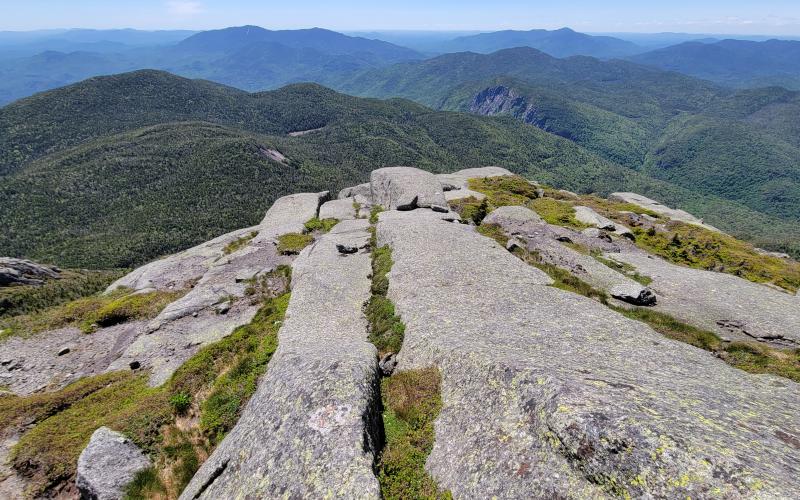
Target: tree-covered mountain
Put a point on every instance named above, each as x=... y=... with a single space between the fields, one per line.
x=742 y=146
x=117 y=170
x=739 y=63
x=248 y=57
x=563 y=42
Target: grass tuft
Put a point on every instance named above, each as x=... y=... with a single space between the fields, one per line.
x=293 y=243
x=412 y=402
x=321 y=225
x=470 y=209
x=239 y=243
x=386 y=328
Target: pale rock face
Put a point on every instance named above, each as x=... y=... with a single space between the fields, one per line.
x=107 y=464
x=25 y=272
x=342 y=209
x=359 y=190
x=653 y=205
x=406 y=188
x=312 y=428
x=588 y=216
x=512 y=216
x=546 y=391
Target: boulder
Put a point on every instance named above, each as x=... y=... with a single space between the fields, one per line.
x=588 y=216
x=406 y=188
x=311 y=430
x=459 y=180
x=512 y=216
x=107 y=464
x=341 y=209
x=549 y=393
x=635 y=294
x=359 y=190
x=654 y=206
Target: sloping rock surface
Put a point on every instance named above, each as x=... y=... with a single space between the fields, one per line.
x=588 y=216
x=107 y=464
x=342 y=209
x=549 y=394
x=25 y=272
x=728 y=305
x=653 y=205
x=310 y=429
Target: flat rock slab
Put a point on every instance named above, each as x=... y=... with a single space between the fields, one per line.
x=406 y=188
x=107 y=464
x=653 y=205
x=588 y=216
x=551 y=394
x=309 y=431
x=512 y=217
x=728 y=305
x=34 y=363
x=364 y=190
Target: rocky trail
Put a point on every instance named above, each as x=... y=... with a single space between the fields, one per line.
x=548 y=388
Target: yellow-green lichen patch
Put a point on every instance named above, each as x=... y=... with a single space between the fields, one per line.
x=556 y=212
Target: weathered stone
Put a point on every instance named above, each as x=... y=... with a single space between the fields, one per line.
x=63 y=351
x=654 y=206
x=387 y=364
x=359 y=190
x=588 y=216
x=311 y=429
x=549 y=392
x=703 y=298
x=25 y=272
x=511 y=217
x=406 y=188
x=459 y=180
x=633 y=293
x=342 y=209
x=107 y=464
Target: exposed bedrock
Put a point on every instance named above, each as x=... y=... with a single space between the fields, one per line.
x=25 y=272
x=728 y=305
x=550 y=394
x=406 y=188
x=653 y=205
x=312 y=428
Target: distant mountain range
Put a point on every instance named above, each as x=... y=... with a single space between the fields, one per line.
x=739 y=63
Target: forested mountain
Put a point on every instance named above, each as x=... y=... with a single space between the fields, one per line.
x=117 y=170
x=563 y=42
x=742 y=146
x=738 y=63
x=248 y=57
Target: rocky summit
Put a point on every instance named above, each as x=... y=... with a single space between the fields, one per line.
x=464 y=335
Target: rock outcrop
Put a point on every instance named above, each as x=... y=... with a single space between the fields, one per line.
x=406 y=188
x=654 y=206
x=312 y=428
x=549 y=392
x=107 y=464
x=591 y=218
x=25 y=272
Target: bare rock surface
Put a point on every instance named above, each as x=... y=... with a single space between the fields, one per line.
x=25 y=272
x=178 y=271
x=364 y=190
x=107 y=464
x=34 y=363
x=551 y=394
x=309 y=431
x=342 y=209
x=460 y=194
x=406 y=188
x=653 y=205
x=588 y=216
x=728 y=305
x=512 y=217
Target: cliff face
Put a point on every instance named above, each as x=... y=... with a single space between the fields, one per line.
x=580 y=351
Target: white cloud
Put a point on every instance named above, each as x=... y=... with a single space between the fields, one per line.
x=184 y=7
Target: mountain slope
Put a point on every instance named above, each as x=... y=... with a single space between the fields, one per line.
x=563 y=42
x=733 y=62
x=130 y=177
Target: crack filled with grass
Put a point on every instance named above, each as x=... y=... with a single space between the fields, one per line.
x=410 y=400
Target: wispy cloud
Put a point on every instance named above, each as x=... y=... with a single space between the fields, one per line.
x=184 y=7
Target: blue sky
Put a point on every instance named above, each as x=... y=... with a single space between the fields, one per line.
x=771 y=17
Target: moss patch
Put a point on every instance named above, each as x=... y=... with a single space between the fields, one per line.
x=504 y=190
x=239 y=243
x=102 y=310
x=700 y=248
x=217 y=381
x=73 y=284
x=412 y=402
x=470 y=209
x=495 y=232
x=373 y=213
x=386 y=328
x=321 y=225
x=556 y=212
x=293 y=243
